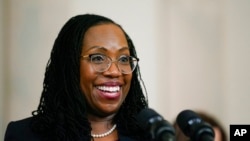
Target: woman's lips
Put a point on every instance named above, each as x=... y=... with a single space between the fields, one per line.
x=110 y=89
x=109 y=92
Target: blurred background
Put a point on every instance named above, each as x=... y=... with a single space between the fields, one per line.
x=194 y=54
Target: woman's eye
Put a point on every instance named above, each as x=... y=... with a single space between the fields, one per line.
x=124 y=59
x=97 y=58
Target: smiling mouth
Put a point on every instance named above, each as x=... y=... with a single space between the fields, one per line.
x=110 y=89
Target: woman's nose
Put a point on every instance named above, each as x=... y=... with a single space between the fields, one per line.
x=113 y=69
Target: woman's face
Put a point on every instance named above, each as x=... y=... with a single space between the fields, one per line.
x=104 y=91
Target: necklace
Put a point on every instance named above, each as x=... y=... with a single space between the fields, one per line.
x=104 y=134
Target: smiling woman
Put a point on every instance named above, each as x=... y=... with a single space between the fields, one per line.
x=92 y=87
x=98 y=84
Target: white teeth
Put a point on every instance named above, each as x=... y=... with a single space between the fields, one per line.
x=109 y=88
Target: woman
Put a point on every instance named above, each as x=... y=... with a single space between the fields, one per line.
x=92 y=88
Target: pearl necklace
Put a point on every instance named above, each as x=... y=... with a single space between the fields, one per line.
x=104 y=134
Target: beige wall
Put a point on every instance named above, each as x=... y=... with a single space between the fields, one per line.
x=193 y=54
x=205 y=46
x=1 y=71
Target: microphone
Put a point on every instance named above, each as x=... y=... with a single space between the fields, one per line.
x=194 y=127
x=158 y=128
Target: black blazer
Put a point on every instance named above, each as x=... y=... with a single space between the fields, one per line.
x=21 y=131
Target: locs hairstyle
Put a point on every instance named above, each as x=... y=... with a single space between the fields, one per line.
x=61 y=113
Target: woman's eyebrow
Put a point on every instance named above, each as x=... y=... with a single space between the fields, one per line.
x=97 y=47
x=124 y=48
x=105 y=49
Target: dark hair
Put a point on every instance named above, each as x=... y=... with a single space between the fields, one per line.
x=61 y=114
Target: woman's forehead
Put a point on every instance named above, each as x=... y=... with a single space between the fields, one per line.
x=108 y=36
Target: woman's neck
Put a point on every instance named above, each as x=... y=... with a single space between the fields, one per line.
x=101 y=125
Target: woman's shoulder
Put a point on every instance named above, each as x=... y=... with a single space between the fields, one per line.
x=21 y=122
x=20 y=125
x=20 y=130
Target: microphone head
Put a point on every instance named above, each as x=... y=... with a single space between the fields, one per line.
x=150 y=121
x=145 y=116
x=185 y=119
x=193 y=126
